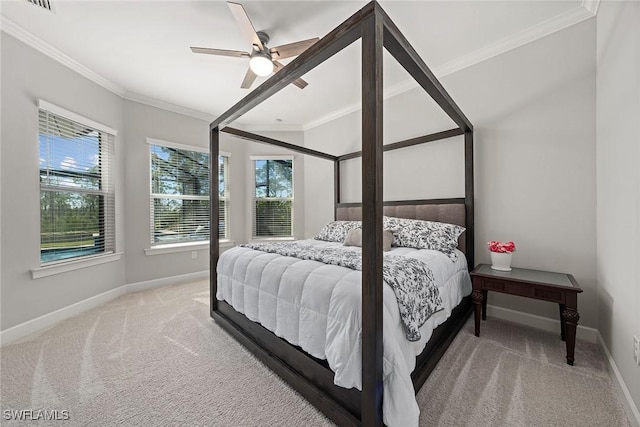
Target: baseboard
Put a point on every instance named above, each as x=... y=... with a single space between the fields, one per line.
x=156 y=283
x=23 y=329
x=552 y=325
x=625 y=396
x=30 y=326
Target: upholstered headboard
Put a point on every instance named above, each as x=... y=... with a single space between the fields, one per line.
x=450 y=213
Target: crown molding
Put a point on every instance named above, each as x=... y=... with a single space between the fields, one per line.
x=586 y=10
x=336 y=114
x=167 y=106
x=163 y=105
x=591 y=6
x=271 y=128
x=390 y=92
x=531 y=34
x=40 y=45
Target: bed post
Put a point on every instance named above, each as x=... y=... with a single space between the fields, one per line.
x=372 y=197
x=336 y=187
x=214 y=208
x=468 y=197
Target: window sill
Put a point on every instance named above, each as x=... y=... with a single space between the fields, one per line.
x=184 y=247
x=64 y=267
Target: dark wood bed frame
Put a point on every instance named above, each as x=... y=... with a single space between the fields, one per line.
x=311 y=377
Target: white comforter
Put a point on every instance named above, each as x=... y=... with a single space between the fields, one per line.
x=318 y=307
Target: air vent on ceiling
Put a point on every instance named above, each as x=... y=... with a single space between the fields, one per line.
x=45 y=4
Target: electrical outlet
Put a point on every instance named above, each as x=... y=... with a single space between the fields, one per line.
x=194 y=254
x=636 y=349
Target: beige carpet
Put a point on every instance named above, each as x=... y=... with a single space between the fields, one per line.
x=517 y=376
x=155 y=358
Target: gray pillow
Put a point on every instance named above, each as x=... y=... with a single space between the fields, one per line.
x=354 y=238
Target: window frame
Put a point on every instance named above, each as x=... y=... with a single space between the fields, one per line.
x=188 y=245
x=253 y=198
x=107 y=191
x=226 y=198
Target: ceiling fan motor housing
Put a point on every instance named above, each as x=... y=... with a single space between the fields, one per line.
x=264 y=38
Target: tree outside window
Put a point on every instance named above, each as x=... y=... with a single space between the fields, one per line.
x=180 y=195
x=76 y=189
x=273 y=198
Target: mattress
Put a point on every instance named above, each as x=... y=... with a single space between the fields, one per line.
x=318 y=308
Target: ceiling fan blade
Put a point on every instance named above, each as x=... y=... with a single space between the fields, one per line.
x=220 y=52
x=249 y=78
x=245 y=24
x=298 y=82
x=292 y=49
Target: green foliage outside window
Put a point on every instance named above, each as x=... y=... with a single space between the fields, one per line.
x=76 y=191
x=273 y=198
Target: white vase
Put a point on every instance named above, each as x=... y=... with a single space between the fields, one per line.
x=501 y=261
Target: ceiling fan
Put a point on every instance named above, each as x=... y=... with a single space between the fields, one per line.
x=262 y=60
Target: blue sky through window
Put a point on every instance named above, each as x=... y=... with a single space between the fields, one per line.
x=70 y=162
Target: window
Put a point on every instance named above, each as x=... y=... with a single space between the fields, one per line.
x=77 y=197
x=272 y=197
x=180 y=193
x=223 y=196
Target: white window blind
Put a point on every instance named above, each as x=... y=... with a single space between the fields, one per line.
x=77 y=197
x=272 y=205
x=180 y=194
x=223 y=197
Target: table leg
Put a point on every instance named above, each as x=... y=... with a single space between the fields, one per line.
x=570 y=317
x=477 y=304
x=562 y=323
x=484 y=305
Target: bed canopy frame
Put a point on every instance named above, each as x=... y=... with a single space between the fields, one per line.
x=309 y=376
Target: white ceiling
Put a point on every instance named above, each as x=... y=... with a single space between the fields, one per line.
x=140 y=49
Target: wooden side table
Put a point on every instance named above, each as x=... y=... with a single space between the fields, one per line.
x=560 y=288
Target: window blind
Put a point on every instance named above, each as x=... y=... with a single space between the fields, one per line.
x=180 y=195
x=223 y=198
x=272 y=205
x=77 y=196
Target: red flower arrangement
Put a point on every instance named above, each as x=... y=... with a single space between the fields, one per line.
x=495 y=246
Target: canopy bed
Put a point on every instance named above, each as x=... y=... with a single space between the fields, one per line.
x=312 y=376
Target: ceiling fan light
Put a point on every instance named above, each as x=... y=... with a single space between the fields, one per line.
x=261 y=64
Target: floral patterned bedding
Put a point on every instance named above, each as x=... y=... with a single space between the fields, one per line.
x=411 y=279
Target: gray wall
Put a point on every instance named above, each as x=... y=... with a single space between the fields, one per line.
x=618 y=184
x=141 y=122
x=533 y=109
x=27 y=75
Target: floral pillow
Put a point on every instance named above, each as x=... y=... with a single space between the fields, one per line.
x=415 y=233
x=336 y=231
